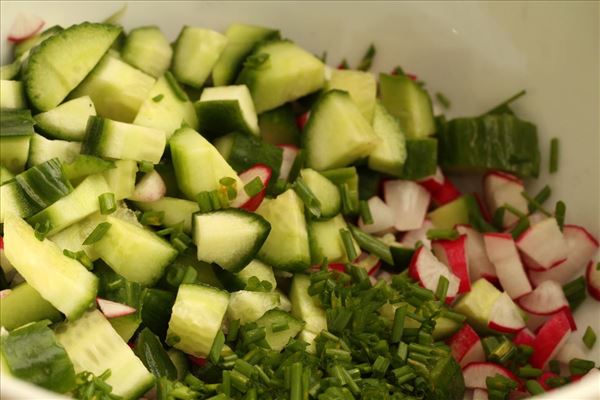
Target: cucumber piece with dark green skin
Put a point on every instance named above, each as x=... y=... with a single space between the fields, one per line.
x=186 y=268
x=361 y=85
x=152 y=353
x=247 y=306
x=499 y=142
x=421 y=158
x=446 y=380
x=238 y=281
x=22 y=305
x=326 y=241
x=84 y=165
x=156 y=310
x=324 y=190
x=67 y=121
x=278 y=126
x=280 y=327
x=389 y=155
x=16 y=123
x=42 y=149
x=12 y=95
x=147 y=49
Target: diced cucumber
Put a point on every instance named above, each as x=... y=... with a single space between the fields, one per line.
x=389 y=154
x=408 y=101
x=175 y=211
x=84 y=165
x=185 y=262
x=286 y=246
x=147 y=49
x=238 y=281
x=42 y=149
x=247 y=306
x=241 y=39
x=196 y=53
x=24 y=305
x=278 y=126
x=226 y=109
x=72 y=237
x=345 y=177
x=73 y=287
x=305 y=308
x=337 y=134
x=279 y=338
x=362 y=87
x=5 y=175
x=12 y=94
x=116 y=88
x=477 y=304
x=10 y=71
x=197 y=316
x=14 y=151
x=74 y=207
x=62 y=61
x=15 y=123
x=121 y=178
x=156 y=310
x=325 y=191
x=451 y=214
x=112 y=139
x=198 y=164
x=421 y=158
x=230 y=238
x=15 y=201
x=326 y=241
x=165 y=109
x=446 y=380
x=93 y=345
x=67 y=121
x=137 y=254
x=278 y=71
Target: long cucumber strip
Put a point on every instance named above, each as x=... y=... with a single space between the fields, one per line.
x=24 y=305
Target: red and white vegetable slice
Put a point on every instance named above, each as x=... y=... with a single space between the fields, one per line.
x=302 y=119
x=550 y=339
x=434 y=182
x=503 y=254
x=480 y=394
x=24 y=27
x=441 y=188
x=548 y=298
x=408 y=201
x=543 y=245
x=525 y=336
x=480 y=265
x=242 y=200
x=112 y=309
x=592 y=275
x=453 y=254
x=289 y=156
x=411 y=238
x=427 y=269
x=150 y=188
x=505 y=316
x=465 y=346
x=383 y=217
x=544 y=377
x=501 y=188
x=476 y=373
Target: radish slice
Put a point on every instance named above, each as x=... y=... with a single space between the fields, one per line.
x=503 y=254
x=480 y=265
x=112 y=309
x=536 y=217
x=466 y=346
x=593 y=280
x=550 y=339
x=480 y=394
x=302 y=119
x=242 y=200
x=548 y=298
x=24 y=27
x=543 y=245
x=453 y=254
x=476 y=373
x=434 y=182
x=289 y=156
x=426 y=269
x=501 y=188
x=150 y=188
x=199 y=361
x=383 y=217
x=441 y=189
x=408 y=201
x=505 y=316
x=525 y=336
x=370 y=262
x=411 y=238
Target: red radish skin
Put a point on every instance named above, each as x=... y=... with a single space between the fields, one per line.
x=542 y=380
x=408 y=201
x=453 y=254
x=24 y=27
x=199 y=361
x=476 y=373
x=550 y=339
x=442 y=190
x=383 y=217
x=543 y=245
x=480 y=265
x=242 y=199
x=371 y=263
x=505 y=316
x=548 y=298
x=289 y=156
x=301 y=120
x=593 y=280
x=502 y=252
x=501 y=188
x=525 y=337
x=426 y=269
x=434 y=182
x=465 y=346
x=411 y=238
x=112 y=309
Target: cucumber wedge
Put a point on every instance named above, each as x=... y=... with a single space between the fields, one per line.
x=306 y=308
x=362 y=87
x=389 y=155
x=12 y=94
x=147 y=49
x=325 y=191
x=62 y=61
x=14 y=151
x=175 y=211
x=326 y=240
x=42 y=149
x=286 y=327
x=121 y=178
x=67 y=121
x=278 y=126
x=73 y=287
x=24 y=305
x=84 y=165
x=247 y=306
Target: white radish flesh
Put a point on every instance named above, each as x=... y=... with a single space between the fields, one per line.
x=543 y=245
x=408 y=201
x=383 y=217
x=503 y=254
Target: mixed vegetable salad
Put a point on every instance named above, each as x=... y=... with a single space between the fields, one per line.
x=226 y=216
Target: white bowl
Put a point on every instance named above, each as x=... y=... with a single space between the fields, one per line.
x=475 y=53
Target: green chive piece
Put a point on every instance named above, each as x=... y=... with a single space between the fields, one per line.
x=443 y=100
x=554 y=155
x=348 y=203
x=226 y=384
x=575 y=292
x=108 y=204
x=503 y=107
x=97 y=233
x=204 y=202
x=543 y=195
x=253 y=187
x=578 y=366
x=559 y=213
x=442 y=288
x=81 y=257
x=177 y=90
x=534 y=387
x=442 y=234
x=153 y=218
x=589 y=337
x=367 y=59
x=554 y=366
x=312 y=204
x=158 y=98
x=365 y=212
x=402 y=351
x=145 y=166
x=217 y=346
x=535 y=205
x=215 y=201
x=454 y=316
x=297 y=165
x=380 y=365
x=521 y=227
x=398 y=327
x=279 y=326
x=41 y=230
x=348 y=244
x=372 y=244
x=231 y=192
x=529 y=372
x=513 y=210
x=227 y=181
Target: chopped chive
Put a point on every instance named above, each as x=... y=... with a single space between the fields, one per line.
x=215 y=201
x=245 y=368
x=153 y=218
x=402 y=351
x=372 y=244
x=223 y=198
x=158 y=97
x=97 y=233
x=226 y=384
x=398 y=327
x=231 y=192
x=575 y=292
x=227 y=181
x=578 y=366
x=554 y=366
x=556 y=381
x=534 y=387
x=348 y=244
x=559 y=213
x=177 y=90
x=279 y=326
x=365 y=212
x=380 y=365
x=442 y=288
x=239 y=380
x=454 y=316
x=442 y=234
x=145 y=166
x=529 y=372
x=443 y=100
x=217 y=346
x=312 y=204
x=41 y=230
x=503 y=107
x=108 y=204
x=535 y=205
x=81 y=257
x=521 y=227
x=514 y=211
x=554 y=155
x=253 y=187
x=589 y=337
x=541 y=197
x=297 y=165
x=204 y=202
x=367 y=59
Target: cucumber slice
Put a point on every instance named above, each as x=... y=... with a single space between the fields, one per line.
x=12 y=94
x=175 y=211
x=247 y=306
x=451 y=214
x=116 y=88
x=15 y=201
x=326 y=241
x=238 y=281
x=241 y=39
x=231 y=238
x=304 y=307
x=421 y=158
x=42 y=150
x=67 y=121
x=275 y=318
x=390 y=153
x=198 y=165
x=163 y=109
x=286 y=247
x=73 y=287
x=278 y=71
x=112 y=139
x=93 y=345
x=477 y=304
x=10 y=71
x=279 y=126
x=226 y=109
x=147 y=49
x=325 y=191
x=121 y=179
x=23 y=305
x=196 y=53
x=408 y=101
x=5 y=175
x=14 y=151
x=197 y=316
x=84 y=165
x=337 y=134
x=62 y=61
x=362 y=87
x=137 y=254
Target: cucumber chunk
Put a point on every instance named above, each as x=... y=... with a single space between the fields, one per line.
x=175 y=211
x=84 y=165
x=306 y=308
x=337 y=134
x=5 y=175
x=147 y=49
x=325 y=191
x=278 y=126
x=12 y=95
x=326 y=240
x=247 y=306
x=477 y=304
x=197 y=316
x=121 y=178
x=67 y=121
x=421 y=158
x=73 y=287
x=451 y=214
x=42 y=150
x=62 y=61
x=230 y=238
x=16 y=128
x=279 y=339
x=286 y=246
x=278 y=71
x=24 y=305
x=93 y=345
x=362 y=87
x=390 y=153
x=238 y=281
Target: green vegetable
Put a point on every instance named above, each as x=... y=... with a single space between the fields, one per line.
x=503 y=108
x=97 y=234
x=367 y=59
x=553 y=155
x=149 y=349
x=589 y=337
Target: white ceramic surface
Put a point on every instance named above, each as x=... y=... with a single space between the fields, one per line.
x=474 y=52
